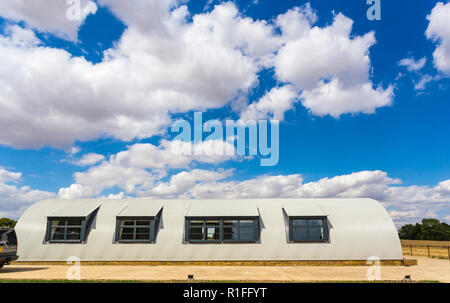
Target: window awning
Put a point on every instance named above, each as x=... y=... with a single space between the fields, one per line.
x=140 y=209
x=299 y=209
x=75 y=208
x=222 y=208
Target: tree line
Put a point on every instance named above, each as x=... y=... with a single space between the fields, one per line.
x=6 y=222
x=428 y=229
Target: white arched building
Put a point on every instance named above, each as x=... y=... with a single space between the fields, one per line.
x=207 y=230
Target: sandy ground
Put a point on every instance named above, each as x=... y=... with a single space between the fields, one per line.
x=427 y=269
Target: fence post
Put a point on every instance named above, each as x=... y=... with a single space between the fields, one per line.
x=428 y=250
x=448 y=249
x=410 y=248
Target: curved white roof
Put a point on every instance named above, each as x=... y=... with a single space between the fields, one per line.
x=358 y=229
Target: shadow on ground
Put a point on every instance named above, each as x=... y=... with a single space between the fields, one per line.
x=20 y=269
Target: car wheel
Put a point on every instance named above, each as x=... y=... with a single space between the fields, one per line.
x=2 y=264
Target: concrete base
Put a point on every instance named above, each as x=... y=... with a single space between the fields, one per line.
x=404 y=262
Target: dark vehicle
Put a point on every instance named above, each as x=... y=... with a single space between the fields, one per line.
x=8 y=246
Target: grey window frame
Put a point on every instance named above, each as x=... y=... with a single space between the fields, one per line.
x=153 y=226
x=256 y=229
x=326 y=234
x=83 y=228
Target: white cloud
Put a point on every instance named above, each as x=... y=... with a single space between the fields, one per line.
x=136 y=169
x=260 y=187
x=423 y=81
x=120 y=195
x=413 y=65
x=329 y=65
x=164 y=64
x=89 y=159
x=48 y=97
x=334 y=99
x=14 y=199
x=272 y=105
x=180 y=184
x=73 y=150
x=439 y=32
x=49 y=15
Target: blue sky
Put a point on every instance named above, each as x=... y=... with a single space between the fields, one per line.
x=73 y=91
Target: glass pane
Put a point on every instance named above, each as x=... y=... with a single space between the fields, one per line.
x=315 y=222
x=73 y=233
x=195 y=236
x=143 y=236
x=299 y=234
x=247 y=237
x=234 y=236
x=58 y=222
x=196 y=222
x=127 y=230
x=127 y=222
x=212 y=233
x=143 y=230
x=247 y=230
x=72 y=230
x=247 y=223
x=299 y=222
x=196 y=230
x=57 y=236
x=74 y=222
x=212 y=222
x=57 y=233
x=73 y=236
x=12 y=239
x=126 y=237
x=316 y=233
x=143 y=222
x=230 y=222
x=230 y=230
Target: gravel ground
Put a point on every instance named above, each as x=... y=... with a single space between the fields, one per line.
x=427 y=269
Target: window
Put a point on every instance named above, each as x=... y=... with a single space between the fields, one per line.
x=308 y=229
x=66 y=229
x=222 y=230
x=12 y=238
x=137 y=229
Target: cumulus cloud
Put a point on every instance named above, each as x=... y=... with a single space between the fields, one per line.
x=136 y=169
x=329 y=65
x=14 y=199
x=89 y=159
x=424 y=80
x=334 y=98
x=48 y=97
x=272 y=105
x=59 y=17
x=172 y=62
x=439 y=32
x=413 y=65
x=180 y=184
